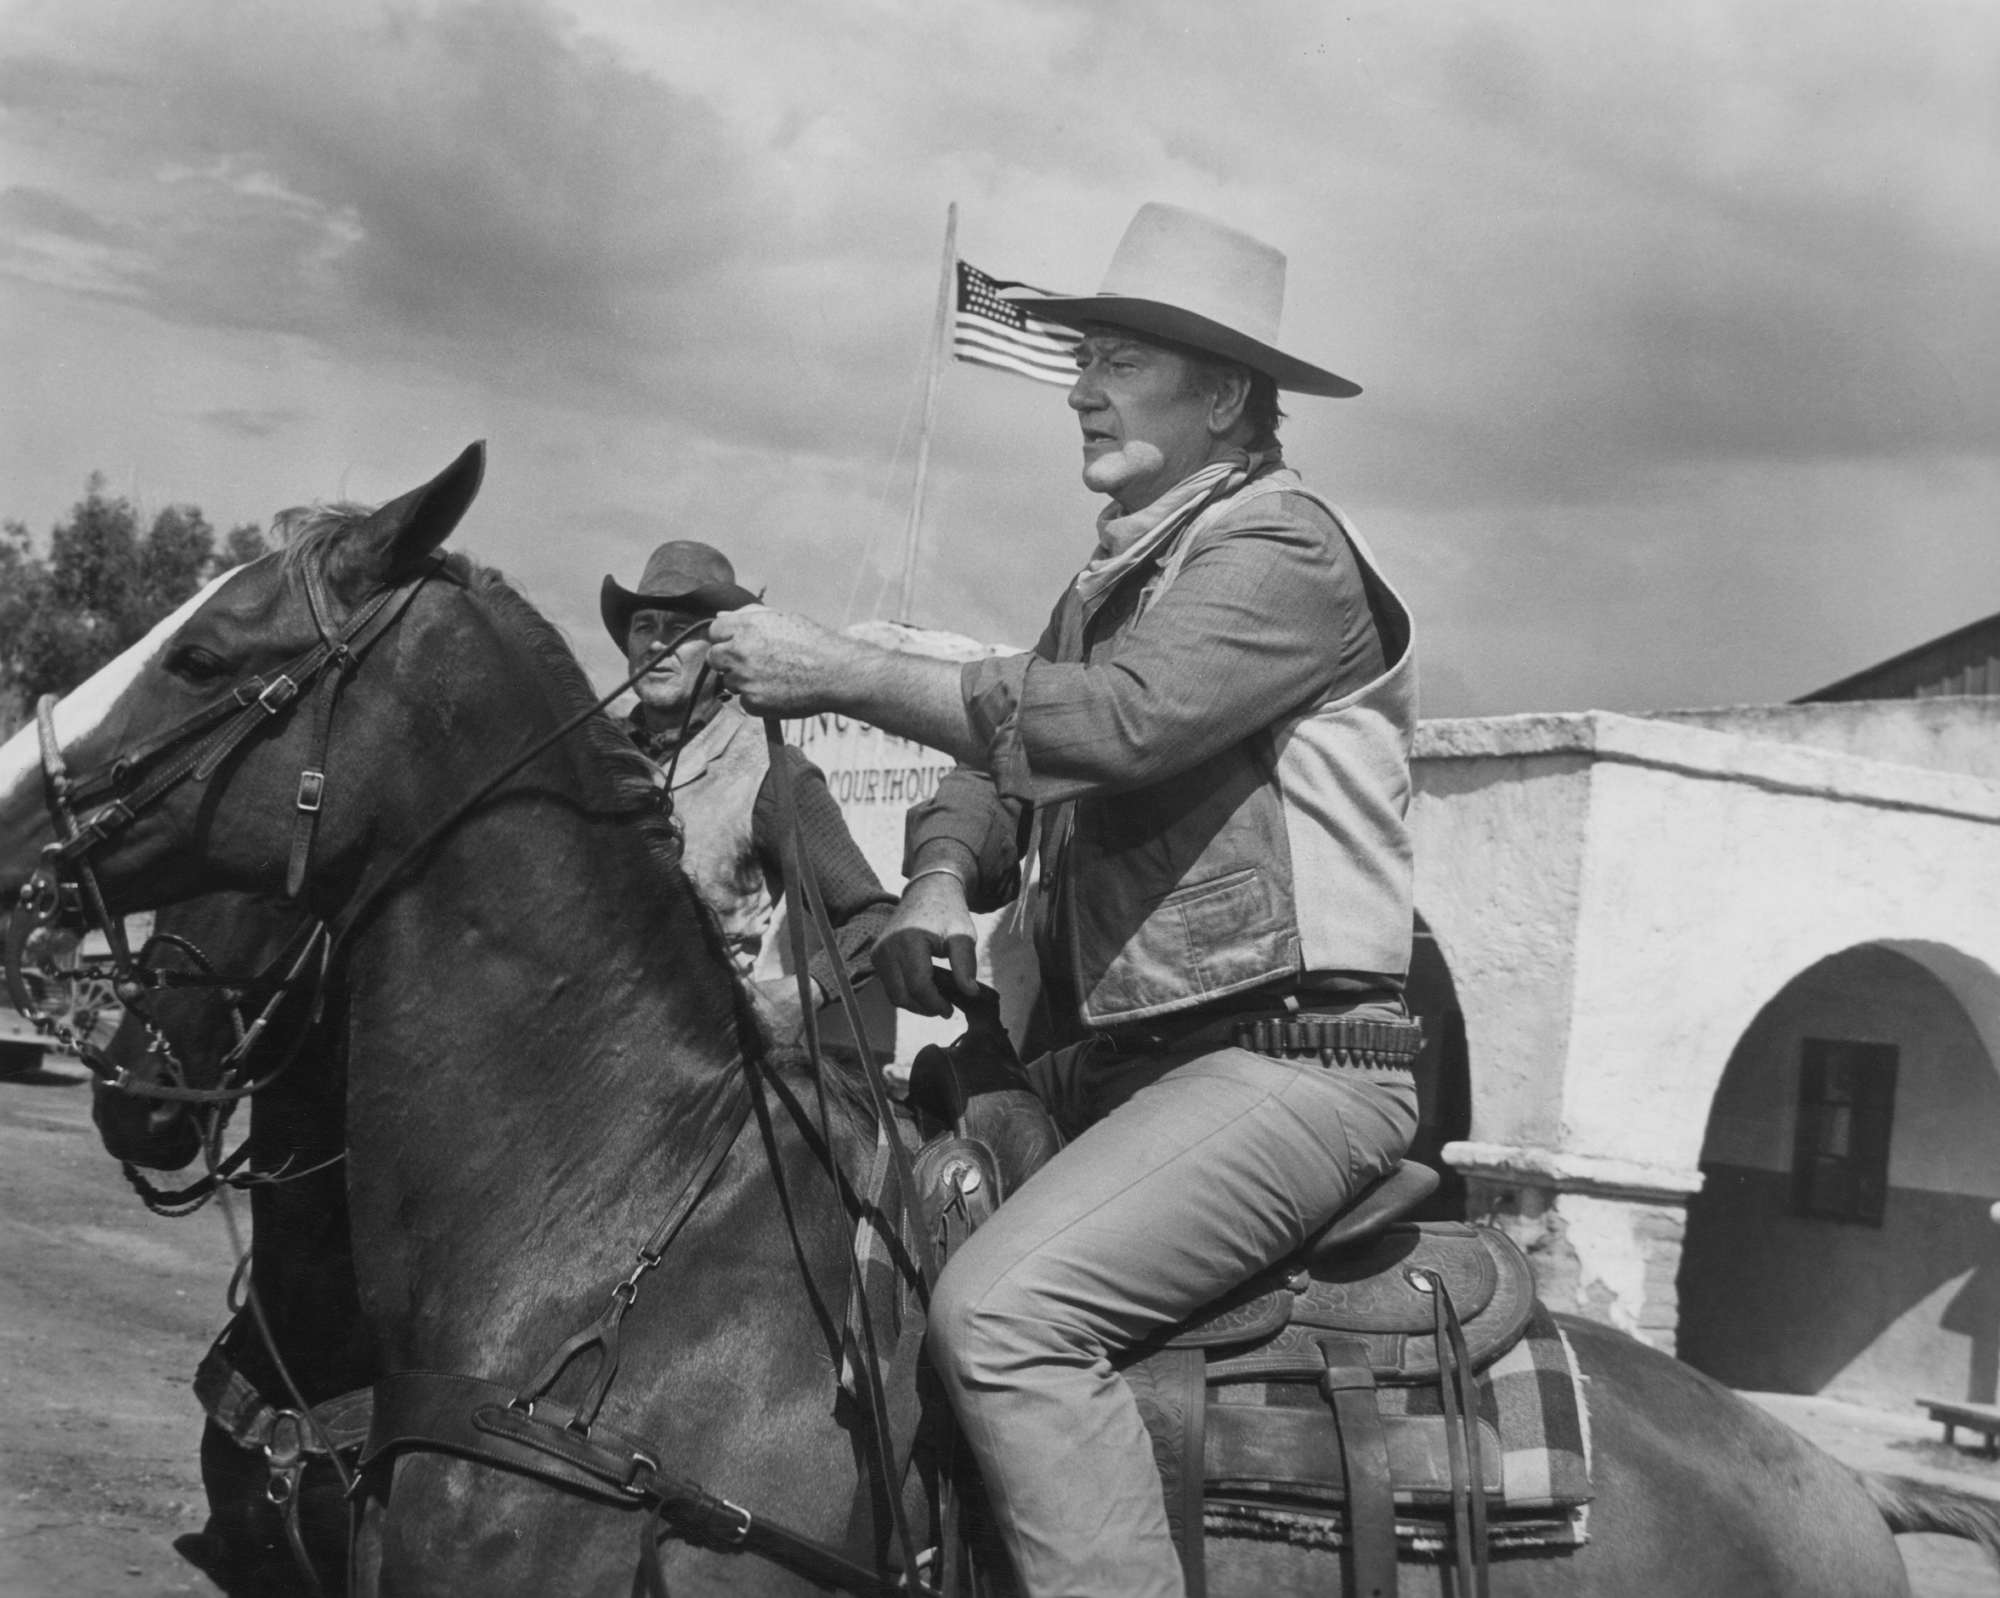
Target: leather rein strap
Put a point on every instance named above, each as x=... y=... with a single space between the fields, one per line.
x=801 y=881
x=484 y=1421
x=518 y=1430
x=524 y=1431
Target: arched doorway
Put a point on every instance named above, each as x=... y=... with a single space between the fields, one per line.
x=1843 y=1238
x=1443 y=1071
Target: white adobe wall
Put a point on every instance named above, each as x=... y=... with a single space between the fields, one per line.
x=1617 y=898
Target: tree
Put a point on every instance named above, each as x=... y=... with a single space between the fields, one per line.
x=100 y=588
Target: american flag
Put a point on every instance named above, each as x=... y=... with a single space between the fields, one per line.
x=996 y=332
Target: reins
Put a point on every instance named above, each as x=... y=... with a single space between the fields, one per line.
x=801 y=881
x=368 y=896
x=525 y=1431
x=311 y=951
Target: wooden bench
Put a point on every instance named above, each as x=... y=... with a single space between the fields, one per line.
x=1982 y=1418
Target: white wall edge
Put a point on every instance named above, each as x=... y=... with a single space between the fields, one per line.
x=1573 y=1173
x=1704 y=754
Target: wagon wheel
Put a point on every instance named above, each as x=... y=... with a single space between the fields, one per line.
x=71 y=993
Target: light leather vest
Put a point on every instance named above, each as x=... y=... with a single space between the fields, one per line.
x=715 y=786
x=1285 y=853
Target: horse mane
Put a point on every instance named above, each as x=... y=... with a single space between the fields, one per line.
x=628 y=773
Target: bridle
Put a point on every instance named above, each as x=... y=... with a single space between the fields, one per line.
x=565 y=1448
x=91 y=812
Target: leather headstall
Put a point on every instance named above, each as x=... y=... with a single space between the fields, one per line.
x=201 y=741
x=89 y=812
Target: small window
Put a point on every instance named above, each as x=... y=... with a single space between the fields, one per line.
x=1840 y=1158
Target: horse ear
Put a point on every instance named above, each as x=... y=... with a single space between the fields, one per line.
x=412 y=525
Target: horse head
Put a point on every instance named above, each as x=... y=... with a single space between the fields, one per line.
x=233 y=693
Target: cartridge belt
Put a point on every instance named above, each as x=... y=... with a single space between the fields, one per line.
x=1349 y=1042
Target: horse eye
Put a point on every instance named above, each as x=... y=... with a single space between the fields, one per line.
x=197 y=665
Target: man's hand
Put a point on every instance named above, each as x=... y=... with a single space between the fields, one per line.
x=932 y=920
x=780 y=664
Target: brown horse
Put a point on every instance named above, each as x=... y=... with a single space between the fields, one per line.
x=306 y=1312
x=544 y=1039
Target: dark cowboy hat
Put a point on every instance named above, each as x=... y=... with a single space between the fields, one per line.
x=1188 y=279
x=682 y=576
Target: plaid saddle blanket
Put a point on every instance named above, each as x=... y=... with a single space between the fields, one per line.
x=1271 y=1462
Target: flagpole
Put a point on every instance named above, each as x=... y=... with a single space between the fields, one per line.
x=940 y=331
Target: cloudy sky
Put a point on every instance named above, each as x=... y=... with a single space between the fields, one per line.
x=1678 y=322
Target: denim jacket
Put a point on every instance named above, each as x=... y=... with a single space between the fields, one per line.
x=1219 y=805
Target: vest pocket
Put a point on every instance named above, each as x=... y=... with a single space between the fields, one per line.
x=1233 y=931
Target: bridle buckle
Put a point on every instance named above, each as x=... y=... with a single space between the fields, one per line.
x=639 y=1473
x=312 y=790
x=739 y=1534
x=107 y=819
x=277 y=694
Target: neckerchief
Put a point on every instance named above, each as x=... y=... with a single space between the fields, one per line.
x=1128 y=540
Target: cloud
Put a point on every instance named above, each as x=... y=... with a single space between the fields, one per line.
x=474 y=183
x=1615 y=281
x=252 y=423
x=1558 y=261
x=1756 y=233
x=35 y=210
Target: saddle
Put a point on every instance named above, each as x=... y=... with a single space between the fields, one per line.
x=1269 y=1398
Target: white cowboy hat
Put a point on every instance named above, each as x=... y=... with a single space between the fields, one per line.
x=1187 y=278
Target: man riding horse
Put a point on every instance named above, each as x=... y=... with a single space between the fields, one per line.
x=1206 y=753
x=715 y=768
x=594 y=1233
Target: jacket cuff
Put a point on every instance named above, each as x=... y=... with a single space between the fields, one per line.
x=992 y=689
x=940 y=818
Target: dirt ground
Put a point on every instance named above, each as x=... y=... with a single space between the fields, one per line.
x=105 y=1309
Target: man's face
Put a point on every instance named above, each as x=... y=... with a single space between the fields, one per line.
x=669 y=686
x=1145 y=423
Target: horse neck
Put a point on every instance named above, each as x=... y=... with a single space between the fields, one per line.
x=543 y=1031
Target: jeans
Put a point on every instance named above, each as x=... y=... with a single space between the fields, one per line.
x=1196 y=1171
